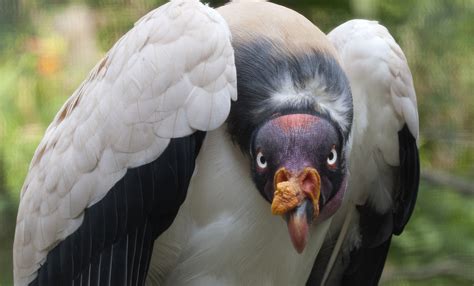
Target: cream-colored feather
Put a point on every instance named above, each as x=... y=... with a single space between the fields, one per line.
x=384 y=100
x=225 y=234
x=150 y=87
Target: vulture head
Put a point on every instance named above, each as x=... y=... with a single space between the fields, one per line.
x=293 y=120
x=297 y=167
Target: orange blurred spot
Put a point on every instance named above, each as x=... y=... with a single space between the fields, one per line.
x=48 y=64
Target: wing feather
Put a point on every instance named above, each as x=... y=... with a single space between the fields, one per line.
x=385 y=130
x=172 y=74
x=384 y=101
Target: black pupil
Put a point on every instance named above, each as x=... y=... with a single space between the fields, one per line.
x=262 y=160
x=331 y=156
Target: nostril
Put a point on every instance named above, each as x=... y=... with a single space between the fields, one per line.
x=282 y=175
x=310 y=181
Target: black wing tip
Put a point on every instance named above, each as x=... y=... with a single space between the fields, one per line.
x=368 y=267
x=367 y=262
x=137 y=209
x=409 y=179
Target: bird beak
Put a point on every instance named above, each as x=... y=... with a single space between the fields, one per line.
x=297 y=199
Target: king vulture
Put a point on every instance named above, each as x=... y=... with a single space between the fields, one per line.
x=237 y=146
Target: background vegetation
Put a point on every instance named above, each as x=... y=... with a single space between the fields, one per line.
x=47 y=48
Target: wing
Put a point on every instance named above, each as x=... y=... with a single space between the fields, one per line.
x=114 y=166
x=384 y=104
x=384 y=163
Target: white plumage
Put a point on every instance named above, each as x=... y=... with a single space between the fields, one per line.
x=149 y=88
x=384 y=100
x=227 y=235
x=173 y=74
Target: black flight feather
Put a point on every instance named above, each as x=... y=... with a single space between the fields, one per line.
x=114 y=243
x=367 y=262
x=409 y=179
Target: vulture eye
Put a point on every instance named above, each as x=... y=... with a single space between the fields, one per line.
x=332 y=158
x=261 y=161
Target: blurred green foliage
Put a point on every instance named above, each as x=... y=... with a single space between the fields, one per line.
x=41 y=64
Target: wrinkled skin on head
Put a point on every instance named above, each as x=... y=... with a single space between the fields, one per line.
x=297 y=166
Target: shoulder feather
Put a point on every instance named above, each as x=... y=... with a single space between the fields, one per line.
x=171 y=74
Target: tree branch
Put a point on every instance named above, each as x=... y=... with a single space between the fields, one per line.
x=422 y=272
x=440 y=178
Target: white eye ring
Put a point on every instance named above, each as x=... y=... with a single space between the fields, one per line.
x=261 y=161
x=332 y=157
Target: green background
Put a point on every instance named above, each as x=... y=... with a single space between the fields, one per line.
x=47 y=47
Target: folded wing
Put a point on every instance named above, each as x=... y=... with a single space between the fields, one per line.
x=384 y=163
x=114 y=165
